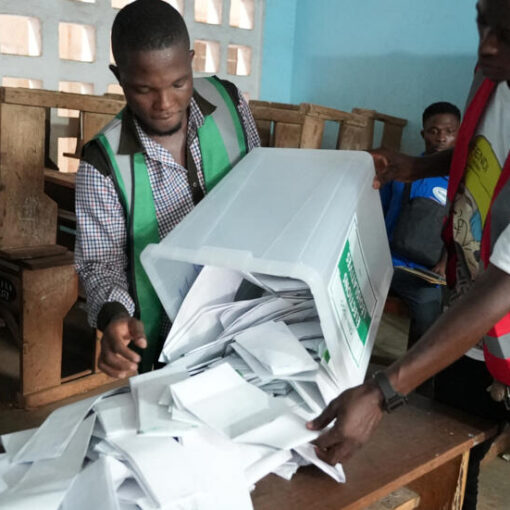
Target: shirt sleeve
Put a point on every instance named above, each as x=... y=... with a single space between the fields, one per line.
x=249 y=123
x=100 y=251
x=500 y=256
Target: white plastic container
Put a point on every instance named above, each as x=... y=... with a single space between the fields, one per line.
x=306 y=214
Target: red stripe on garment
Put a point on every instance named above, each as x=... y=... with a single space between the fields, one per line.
x=498 y=367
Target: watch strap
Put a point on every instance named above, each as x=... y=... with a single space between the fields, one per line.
x=391 y=398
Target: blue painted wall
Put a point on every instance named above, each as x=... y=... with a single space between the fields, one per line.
x=278 y=50
x=395 y=56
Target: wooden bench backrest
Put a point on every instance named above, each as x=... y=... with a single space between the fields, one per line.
x=302 y=126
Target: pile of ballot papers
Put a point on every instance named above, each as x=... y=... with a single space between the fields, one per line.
x=243 y=377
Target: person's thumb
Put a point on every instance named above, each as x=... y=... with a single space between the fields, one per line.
x=324 y=418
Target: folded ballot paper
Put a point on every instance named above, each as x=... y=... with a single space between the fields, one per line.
x=275 y=284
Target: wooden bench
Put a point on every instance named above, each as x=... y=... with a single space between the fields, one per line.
x=302 y=126
x=393 y=128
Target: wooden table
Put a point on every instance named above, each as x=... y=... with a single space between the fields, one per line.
x=422 y=446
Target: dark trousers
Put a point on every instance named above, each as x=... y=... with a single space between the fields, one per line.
x=423 y=299
x=463 y=385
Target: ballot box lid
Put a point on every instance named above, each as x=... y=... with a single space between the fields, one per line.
x=306 y=214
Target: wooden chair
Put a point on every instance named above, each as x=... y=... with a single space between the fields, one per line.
x=302 y=126
x=392 y=128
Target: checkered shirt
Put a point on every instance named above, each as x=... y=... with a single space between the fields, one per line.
x=101 y=234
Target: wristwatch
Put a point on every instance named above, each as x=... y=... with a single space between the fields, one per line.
x=391 y=399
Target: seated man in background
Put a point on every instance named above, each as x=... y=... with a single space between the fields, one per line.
x=414 y=226
x=145 y=171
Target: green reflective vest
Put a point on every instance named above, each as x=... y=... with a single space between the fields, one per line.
x=222 y=144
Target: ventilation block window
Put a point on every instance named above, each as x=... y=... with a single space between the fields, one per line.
x=207 y=56
x=241 y=14
x=27 y=83
x=20 y=35
x=177 y=4
x=239 y=60
x=208 y=11
x=76 y=42
x=119 y=4
x=67 y=162
x=77 y=88
x=114 y=88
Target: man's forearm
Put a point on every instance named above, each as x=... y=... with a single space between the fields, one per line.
x=455 y=332
x=433 y=165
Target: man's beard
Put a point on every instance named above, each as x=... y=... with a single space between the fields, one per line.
x=155 y=132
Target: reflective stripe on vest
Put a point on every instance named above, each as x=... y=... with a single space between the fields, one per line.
x=136 y=195
x=497 y=341
x=221 y=137
x=222 y=144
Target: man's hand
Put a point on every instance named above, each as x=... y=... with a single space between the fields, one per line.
x=440 y=268
x=357 y=412
x=392 y=166
x=116 y=358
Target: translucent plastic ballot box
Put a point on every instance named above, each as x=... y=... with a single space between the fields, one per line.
x=311 y=215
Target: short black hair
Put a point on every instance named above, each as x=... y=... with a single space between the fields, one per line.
x=146 y=25
x=440 y=108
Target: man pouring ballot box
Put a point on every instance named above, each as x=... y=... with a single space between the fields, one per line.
x=145 y=171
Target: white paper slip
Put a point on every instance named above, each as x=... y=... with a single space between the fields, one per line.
x=131 y=492
x=245 y=455
x=280 y=284
x=151 y=416
x=329 y=389
x=46 y=481
x=259 y=313
x=266 y=465
x=286 y=470
x=301 y=311
x=274 y=345
x=204 y=327
x=285 y=432
x=92 y=488
x=53 y=436
x=253 y=363
x=155 y=462
x=309 y=392
x=11 y=474
x=170 y=473
x=306 y=330
x=13 y=442
x=202 y=354
x=307 y=451
x=165 y=399
x=224 y=485
x=223 y=400
x=117 y=415
x=238 y=308
x=213 y=286
x=314 y=345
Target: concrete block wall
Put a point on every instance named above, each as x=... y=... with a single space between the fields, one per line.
x=50 y=69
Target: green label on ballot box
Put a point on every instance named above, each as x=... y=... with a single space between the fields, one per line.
x=352 y=294
x=352 y=290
